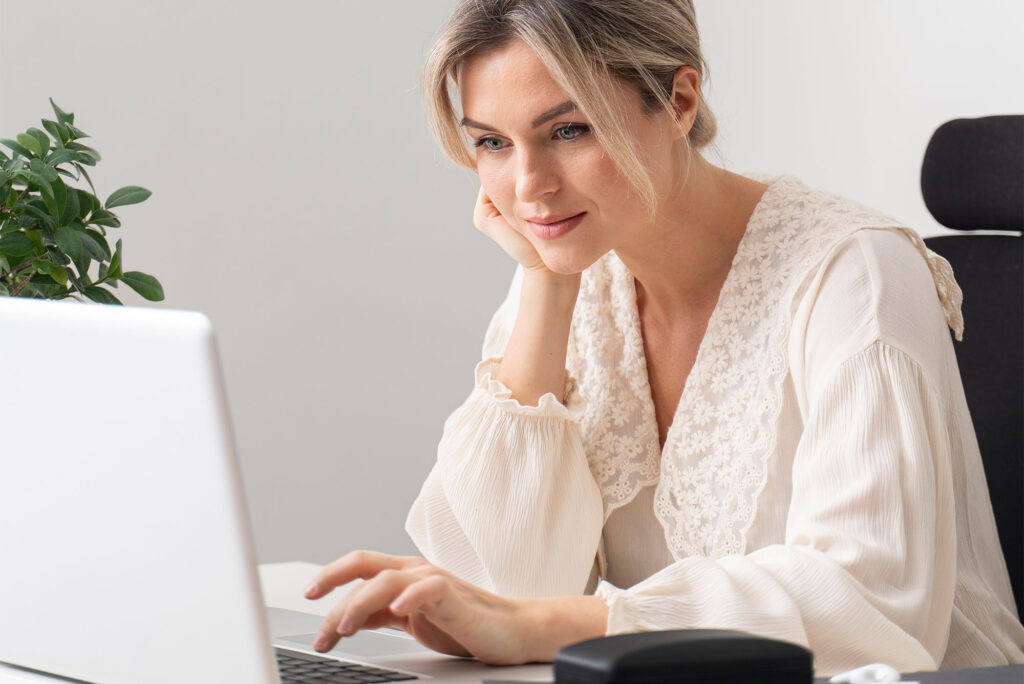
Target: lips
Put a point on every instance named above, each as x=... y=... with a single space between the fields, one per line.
x=554 y=225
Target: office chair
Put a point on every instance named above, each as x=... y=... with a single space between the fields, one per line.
x=972 y=179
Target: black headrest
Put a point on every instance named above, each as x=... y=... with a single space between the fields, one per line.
x=972 y=177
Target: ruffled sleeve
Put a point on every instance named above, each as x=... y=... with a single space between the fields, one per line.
x=510 y=504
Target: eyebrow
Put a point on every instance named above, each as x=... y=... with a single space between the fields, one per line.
x=563 y=108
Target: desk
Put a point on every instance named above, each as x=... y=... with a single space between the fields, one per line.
x=283 y=584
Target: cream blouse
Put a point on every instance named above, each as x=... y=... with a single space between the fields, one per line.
x=820 y=482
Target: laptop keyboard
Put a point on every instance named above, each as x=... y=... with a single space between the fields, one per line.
x=310 y=669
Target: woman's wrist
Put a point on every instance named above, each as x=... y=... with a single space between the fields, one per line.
x=555 y=287
x=551 y=624
x=534 y=360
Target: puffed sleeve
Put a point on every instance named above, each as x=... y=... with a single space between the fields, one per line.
x=510 y=504
x=867 y=569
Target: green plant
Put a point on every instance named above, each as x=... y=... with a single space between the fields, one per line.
x=53 y=234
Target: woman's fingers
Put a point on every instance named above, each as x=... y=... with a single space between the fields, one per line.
x=355 y=565
x=328 y=634
x=494 y=225
x=423 y=596
x=365 y=607
x=438 y=609
x=375 y=595
x=485 y=214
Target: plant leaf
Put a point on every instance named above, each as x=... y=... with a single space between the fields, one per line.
x=58 y=257
x=102 y=240
x=45 y=189
x=87 y=202
x=71 y=208
x=18 y=149
x=146 y=285
x=60 y=274
x=33 y=211
x=129 y=194
x=37 y=240
x=76 y=132
x=114 y=270
x=42 y=138
x=100 y=295
x=44 y=170
x=44 y=185
x=92 y=154
x=81 y=169
x=62 y=157
x=79 y=283
x=62 y=116
x=102 y=217
x=95 y=245
x=16 y=244
x=60 y=199
x=69 y=241
x=56 y=130
x=29 y=143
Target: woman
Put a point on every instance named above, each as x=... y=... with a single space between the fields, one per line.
x=709 y=400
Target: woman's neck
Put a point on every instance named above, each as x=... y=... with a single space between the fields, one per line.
x=682 y=258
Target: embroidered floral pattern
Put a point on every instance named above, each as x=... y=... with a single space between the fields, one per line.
x=713 y=465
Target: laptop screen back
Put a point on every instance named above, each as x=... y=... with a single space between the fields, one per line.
x=124 y=548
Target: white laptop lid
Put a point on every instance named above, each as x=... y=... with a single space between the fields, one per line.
x=124 y=548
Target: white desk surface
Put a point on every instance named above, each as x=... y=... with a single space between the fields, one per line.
x=283 y=584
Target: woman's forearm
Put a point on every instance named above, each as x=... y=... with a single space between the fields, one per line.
x=534 y=360
x=553 y=623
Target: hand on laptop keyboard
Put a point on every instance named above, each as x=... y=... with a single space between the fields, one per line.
x=440 y=610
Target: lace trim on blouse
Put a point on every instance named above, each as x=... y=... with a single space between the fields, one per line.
x=713 y=466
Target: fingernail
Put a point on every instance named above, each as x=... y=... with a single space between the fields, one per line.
x=311 y=589
x=320 y=643
x=345 y=626
x=398 y=607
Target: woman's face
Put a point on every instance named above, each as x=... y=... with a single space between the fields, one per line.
x=542 y=166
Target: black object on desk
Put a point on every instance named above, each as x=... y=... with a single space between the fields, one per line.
x=683 y=655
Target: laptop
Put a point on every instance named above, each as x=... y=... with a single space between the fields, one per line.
x=125 y=551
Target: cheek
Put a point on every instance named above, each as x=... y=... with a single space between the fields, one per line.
x=610 y=187
x=499 y=186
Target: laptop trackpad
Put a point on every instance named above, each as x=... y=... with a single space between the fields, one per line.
x=370 y=644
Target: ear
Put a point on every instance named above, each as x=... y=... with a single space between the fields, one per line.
x=685 y=98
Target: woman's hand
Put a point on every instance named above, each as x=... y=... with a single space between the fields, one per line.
x=441 y=611
x=494 y=225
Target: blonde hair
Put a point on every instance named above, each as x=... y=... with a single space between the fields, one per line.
x=583 y=43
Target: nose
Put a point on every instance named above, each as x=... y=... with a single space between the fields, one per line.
x=536 y=176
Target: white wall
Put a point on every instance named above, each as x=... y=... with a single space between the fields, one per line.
x=300 y=202
x=845 y=95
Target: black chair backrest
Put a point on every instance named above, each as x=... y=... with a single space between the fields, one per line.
x=972 y=178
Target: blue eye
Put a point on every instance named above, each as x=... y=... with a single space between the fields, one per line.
x=490 y=144
x=572 y=131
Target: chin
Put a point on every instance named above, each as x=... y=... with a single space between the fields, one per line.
x=569 y=262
